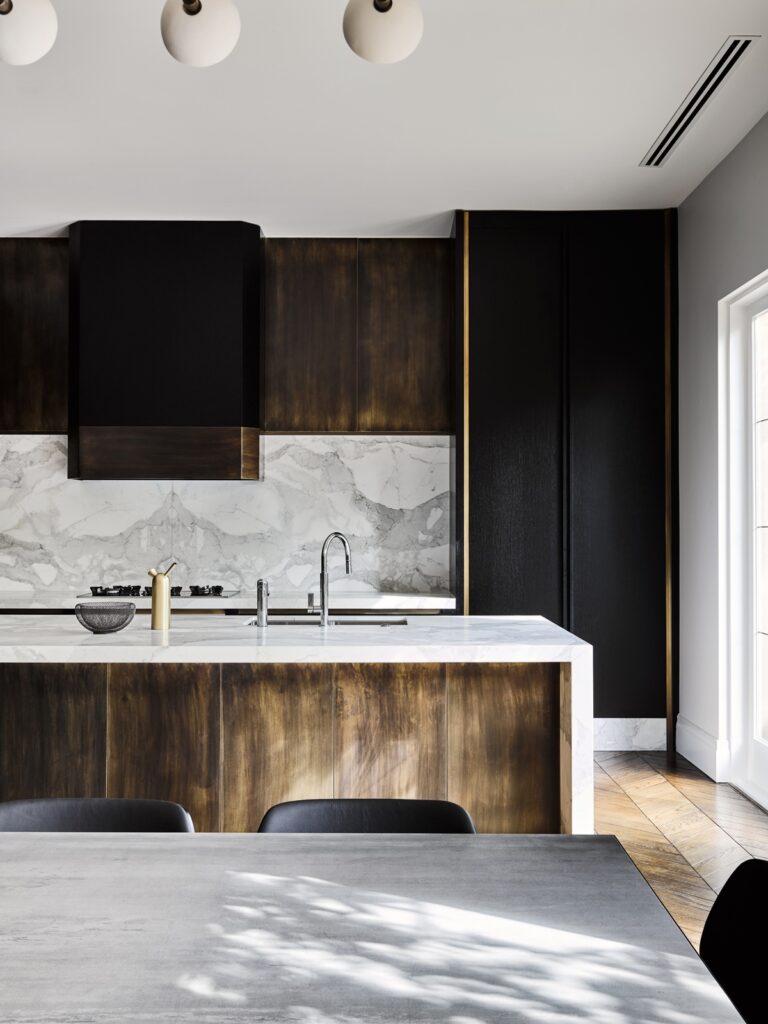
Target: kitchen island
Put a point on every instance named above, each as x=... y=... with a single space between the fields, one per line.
x=227 y=719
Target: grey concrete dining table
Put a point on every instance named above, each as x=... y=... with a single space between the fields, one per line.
x=339 y=929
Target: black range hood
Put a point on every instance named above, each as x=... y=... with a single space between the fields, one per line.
x=164 y=350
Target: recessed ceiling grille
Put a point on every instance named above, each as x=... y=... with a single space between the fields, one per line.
x=723 y=63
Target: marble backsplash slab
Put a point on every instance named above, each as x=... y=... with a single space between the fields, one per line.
x=390 y=495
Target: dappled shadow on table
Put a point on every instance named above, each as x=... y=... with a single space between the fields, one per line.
x=319 y=952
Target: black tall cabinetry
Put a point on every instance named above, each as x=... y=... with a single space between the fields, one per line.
x=516 y=417
x=569 y=339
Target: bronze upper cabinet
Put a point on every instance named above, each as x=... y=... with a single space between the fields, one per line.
x=34 y=282
x=404 y=334
x=358 y=335
x=310 y=335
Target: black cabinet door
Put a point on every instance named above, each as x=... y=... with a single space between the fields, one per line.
x=569 y=332
x=34 y=326
x=516 y=415
x=615 y=302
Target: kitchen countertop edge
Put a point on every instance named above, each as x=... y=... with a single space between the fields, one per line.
x=216 y=639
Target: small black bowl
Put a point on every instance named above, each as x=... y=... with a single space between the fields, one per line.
x=105 y=617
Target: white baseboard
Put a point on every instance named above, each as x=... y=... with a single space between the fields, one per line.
x=630 y=734
x=757 y=793
x=702 y=749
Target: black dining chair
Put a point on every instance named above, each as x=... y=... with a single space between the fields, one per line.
x=94 y=815
x=367 y=816
x=728 y=944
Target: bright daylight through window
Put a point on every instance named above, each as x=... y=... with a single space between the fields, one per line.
x=760 y=329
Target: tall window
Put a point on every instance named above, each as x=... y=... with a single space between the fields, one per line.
x=760 y=448
x=743 y=539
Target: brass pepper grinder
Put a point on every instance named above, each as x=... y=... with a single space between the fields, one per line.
x=161 y=598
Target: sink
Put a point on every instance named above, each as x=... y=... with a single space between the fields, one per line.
x=338 y=620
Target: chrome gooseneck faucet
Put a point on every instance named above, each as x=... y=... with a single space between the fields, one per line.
x=324 y=571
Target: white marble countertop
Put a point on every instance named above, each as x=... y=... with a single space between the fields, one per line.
x=202 y=638
x=341 y=599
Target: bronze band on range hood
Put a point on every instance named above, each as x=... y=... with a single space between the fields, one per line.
x=162 y=453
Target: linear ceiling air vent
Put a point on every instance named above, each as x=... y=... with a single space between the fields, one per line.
x=723 y=63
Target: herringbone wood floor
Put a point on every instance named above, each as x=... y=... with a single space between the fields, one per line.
x=685 y=833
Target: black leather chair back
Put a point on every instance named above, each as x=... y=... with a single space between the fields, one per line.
x=367 y=816
x=730 y=948
x=94 y=815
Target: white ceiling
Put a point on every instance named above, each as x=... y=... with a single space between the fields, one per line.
x=507 y=104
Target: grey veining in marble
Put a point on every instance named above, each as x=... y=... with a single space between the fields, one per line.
x=58 y=533
x=630 y=734
x=391 y=495
x=340 y=930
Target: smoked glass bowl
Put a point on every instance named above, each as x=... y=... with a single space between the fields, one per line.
x=106 y=616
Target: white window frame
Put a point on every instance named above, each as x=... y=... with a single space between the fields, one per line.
x=736 y=516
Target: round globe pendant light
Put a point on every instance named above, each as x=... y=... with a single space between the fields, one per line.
x=27 y=30
x=200 y=32
x=383 y=31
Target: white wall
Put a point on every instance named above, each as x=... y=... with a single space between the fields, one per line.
x=723 y=244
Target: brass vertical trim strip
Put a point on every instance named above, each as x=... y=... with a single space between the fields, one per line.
x=332 y=669
x=221 y=748
x=107 y=684
x=465 y=423
x=668 y=481
x=447 y=732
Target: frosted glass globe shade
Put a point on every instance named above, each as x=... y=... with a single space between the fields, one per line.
x=200 y=39
x=383 y=36
x=27 y=31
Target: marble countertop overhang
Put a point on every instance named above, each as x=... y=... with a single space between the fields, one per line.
x=219 y=639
